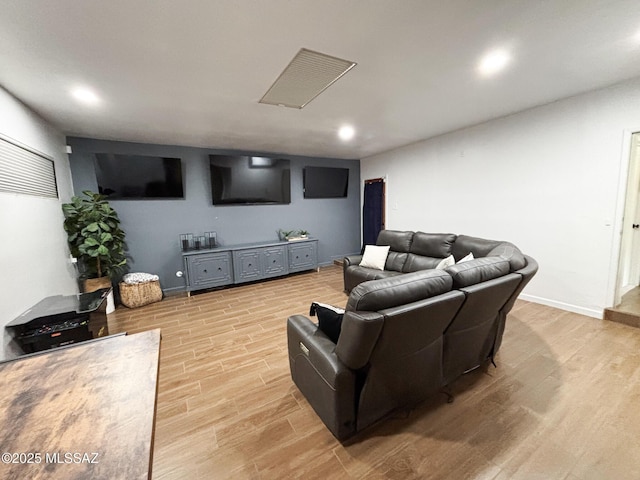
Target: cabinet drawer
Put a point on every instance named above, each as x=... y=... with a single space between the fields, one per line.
x=303 y=256
x=247 y=266
x=274 y=261
x=209 y=270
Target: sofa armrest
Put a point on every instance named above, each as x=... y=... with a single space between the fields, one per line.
x=328 y=384
x=351 y=260
x=346 y=263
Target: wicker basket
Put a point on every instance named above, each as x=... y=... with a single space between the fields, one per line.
x=139 y=294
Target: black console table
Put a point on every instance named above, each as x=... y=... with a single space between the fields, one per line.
x=61 y=320
x=216 y=267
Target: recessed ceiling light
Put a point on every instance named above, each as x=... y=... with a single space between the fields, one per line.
x=493 y=62
x=346 y=132
x=85 y=95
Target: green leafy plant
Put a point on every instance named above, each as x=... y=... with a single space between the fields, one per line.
x=284 y=234
x=287 y=234
x=94 y=235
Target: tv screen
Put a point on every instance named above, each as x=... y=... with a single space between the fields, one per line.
x=245 y=180
x=325 y=182
x=138 y=176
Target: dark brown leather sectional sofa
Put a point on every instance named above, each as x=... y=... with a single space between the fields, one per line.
x=408 y=330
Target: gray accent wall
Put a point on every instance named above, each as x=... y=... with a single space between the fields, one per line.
x=153 y=226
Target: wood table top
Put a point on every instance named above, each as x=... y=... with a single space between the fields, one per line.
x=86 y=411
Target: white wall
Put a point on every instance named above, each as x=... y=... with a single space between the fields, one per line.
x=547 y=179
x=33 y=248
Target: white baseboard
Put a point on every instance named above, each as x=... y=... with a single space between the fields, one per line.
x=589 y=312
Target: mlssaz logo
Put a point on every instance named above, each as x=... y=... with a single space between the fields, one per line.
x=72 y=457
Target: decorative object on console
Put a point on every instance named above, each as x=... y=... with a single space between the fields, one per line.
x=210 y=239
x=293 y=235
x=95 y=238
x=186 y=241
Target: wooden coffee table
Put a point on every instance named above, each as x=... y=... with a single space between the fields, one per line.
x=84 y=411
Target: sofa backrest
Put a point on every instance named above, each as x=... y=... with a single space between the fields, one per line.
x=481 y=247
x=436 y=245
x=470 y=338
x=377 y=295
x=399 y=243
x=427 y=250
x=477 y=270
x=393 y=328
x=362 y=321
x=405 y=365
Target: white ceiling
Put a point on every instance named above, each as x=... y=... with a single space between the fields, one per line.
x=191 y=72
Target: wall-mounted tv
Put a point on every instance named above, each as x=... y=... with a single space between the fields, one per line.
x=325 y=182
x=247 y=180
x=138 y=176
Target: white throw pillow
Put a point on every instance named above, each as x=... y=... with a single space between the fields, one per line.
x=375 y=256
x=466 y=259
x=446 y=262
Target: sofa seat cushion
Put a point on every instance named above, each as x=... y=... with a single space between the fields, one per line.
x=359 y=274
x=438 y=245
x=401 y=289
x=477 y=271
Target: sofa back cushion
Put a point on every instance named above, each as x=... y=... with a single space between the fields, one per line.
x=397 y=240
x=416 y=263
x=390 y=292
x=433 y=244
x=395 y=261
x=481 y=247
x=477 y=270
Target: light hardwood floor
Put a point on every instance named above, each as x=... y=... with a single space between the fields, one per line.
x=563 y=403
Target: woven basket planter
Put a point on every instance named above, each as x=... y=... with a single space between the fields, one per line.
x=139 y=294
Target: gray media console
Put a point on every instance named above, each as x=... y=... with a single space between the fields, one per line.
x=235 y=264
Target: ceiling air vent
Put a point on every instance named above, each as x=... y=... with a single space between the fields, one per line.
x=307 y=76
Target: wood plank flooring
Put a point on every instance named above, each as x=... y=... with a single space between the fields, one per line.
x=562 y=404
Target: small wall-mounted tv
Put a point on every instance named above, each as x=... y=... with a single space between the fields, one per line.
x=138 y=176
x=325 y=182
x=247 y=180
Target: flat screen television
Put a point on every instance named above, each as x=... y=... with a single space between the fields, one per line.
x=247 y=180
x=138 y=176
x=325 y=182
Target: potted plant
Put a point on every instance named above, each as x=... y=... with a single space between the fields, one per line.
x=95 y=238
x=292 y=235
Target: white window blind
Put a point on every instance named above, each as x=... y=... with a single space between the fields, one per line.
x=26 y=171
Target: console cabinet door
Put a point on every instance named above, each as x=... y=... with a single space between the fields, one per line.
x=247 y=265
x=209 y=270
x=275 y=261
x=303 y=256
